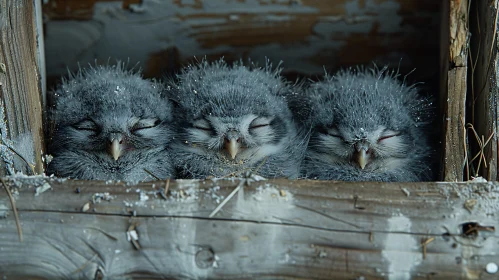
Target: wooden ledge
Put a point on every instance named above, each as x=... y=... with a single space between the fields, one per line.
x=269 y=229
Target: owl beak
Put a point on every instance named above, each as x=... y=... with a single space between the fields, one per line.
x=363 y=153
x=362 y=159
x=116 y=147
x=232 y=146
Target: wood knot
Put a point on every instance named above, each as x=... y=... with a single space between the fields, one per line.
x=205 y=258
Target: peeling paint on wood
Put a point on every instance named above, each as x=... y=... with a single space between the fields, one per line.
x=306 y=34
x=401 y=251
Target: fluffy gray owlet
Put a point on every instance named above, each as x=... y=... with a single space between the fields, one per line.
x=233 y=120
x=367 y=126
x=110 y=124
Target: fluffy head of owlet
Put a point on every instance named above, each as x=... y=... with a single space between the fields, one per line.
x=110 y=124
x=233 y=119
x=367 y=126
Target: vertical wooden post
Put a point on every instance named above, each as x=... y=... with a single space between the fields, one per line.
x=453 y=89
x=484 y=91
x=20 y=75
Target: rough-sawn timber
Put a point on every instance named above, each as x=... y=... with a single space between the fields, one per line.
x=271 y=229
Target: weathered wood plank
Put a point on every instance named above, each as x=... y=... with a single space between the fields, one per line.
x=484 y=92
x=306 y=34
x=20 y=80
x=273 y=229
x=454 y=141
x=453 y=98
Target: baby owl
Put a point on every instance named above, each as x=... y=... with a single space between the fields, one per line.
x=110 y=124
x=367 y=126
x=233 y=119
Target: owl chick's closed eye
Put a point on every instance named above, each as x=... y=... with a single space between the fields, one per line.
x=110 y=124
x=367 y=126
x=234 y=119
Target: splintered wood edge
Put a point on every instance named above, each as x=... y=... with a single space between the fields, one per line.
x=455 y=96
x=272 y=228
x=21 y=90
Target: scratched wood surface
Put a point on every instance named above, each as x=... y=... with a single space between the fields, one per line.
x=21 y=82
x=484 y=92
x=275 y=229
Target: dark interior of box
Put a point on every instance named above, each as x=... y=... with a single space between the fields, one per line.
x=307 y=36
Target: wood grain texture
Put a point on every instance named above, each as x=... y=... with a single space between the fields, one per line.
x=21 y=82
x=453 y=99
x=484 y=91
x=454 y=141
x=307 y=35
x=276 y=229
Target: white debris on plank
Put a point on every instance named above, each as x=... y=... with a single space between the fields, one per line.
x=478 y=179
x=46 y=186
x=20 y=180
x=98 y=197
x=143 y=196
x=491 y=268
x=132 y=235
x=212 y=193
x=407 y=192
x=215 y=263
x=128 y=203
x=85 y=207
x=486 y=194
x=4 y=211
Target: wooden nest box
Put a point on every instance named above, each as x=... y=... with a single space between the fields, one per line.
x=269 y=229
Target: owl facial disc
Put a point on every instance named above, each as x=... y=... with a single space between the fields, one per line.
x=367 y=124
x=109 y=123
x=232 y=118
